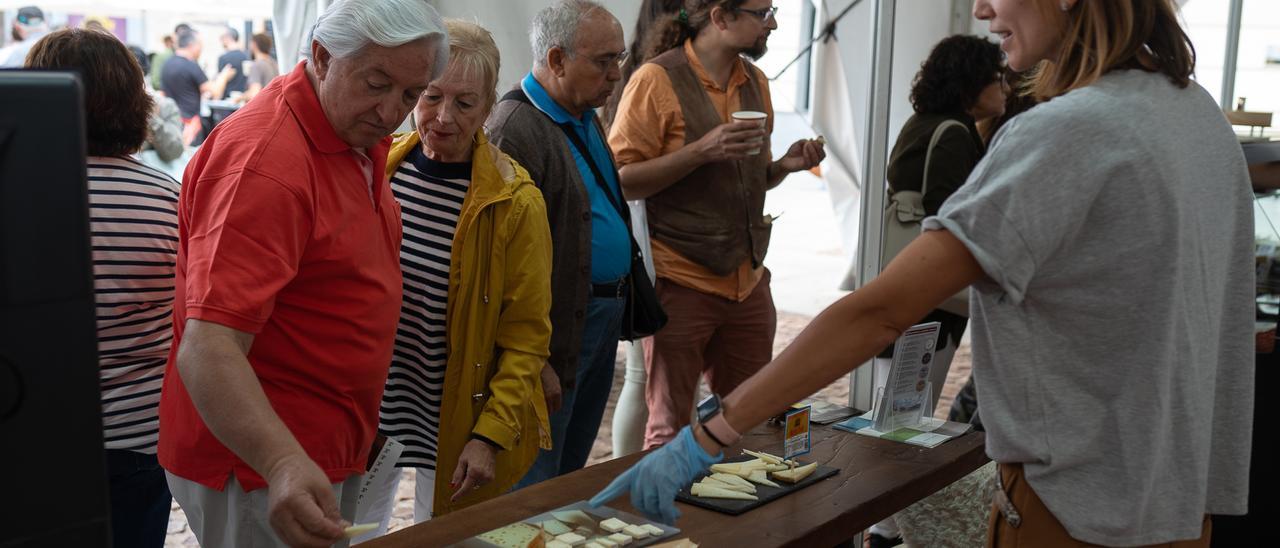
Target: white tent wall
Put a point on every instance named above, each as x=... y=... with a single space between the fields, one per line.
x=507 y=20
x=841 y=95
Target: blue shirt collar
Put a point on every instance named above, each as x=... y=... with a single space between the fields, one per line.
x=538 y=95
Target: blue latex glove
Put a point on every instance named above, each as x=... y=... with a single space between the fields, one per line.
x=655 y=480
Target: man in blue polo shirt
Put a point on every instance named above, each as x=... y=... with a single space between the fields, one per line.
x=550 y=127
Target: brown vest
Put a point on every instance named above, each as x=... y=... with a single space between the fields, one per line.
x=715 y=215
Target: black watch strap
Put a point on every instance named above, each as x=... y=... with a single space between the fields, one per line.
x=713 y=437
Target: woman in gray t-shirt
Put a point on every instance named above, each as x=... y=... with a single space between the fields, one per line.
x=1108 y=235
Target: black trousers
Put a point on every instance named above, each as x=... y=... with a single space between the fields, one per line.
x=140 y=499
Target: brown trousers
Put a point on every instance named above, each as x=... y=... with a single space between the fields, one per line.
x=727 y=341
x=1039 y=529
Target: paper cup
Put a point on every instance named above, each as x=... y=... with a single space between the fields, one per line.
x=752 y=116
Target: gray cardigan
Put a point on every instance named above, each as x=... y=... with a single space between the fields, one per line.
x=533 y=140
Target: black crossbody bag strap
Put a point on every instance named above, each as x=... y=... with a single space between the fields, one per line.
x=644 y=315
x=518 y=94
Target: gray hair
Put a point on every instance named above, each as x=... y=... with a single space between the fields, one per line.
x=346 y=26
x=556 y=26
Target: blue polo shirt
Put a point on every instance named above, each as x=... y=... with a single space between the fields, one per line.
x=610 y=240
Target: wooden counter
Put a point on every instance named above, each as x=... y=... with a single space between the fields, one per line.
x=876 y=479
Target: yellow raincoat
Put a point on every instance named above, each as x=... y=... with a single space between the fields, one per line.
x=498 y=328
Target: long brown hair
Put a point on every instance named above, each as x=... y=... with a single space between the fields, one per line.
x=1104 y=35
x=652 y=12
x=686 y=24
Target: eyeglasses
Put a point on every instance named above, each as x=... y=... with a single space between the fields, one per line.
x=765 y=14
x=603 y=62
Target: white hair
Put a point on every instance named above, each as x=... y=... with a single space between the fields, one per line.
x=346 y=26
x=556 y=26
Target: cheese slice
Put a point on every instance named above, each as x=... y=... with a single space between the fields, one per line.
x=726 y=468
x=516 y=535
x=710 y=492
x=712 y=482
x=794 y=475
x=761 y=477
x=613 y=525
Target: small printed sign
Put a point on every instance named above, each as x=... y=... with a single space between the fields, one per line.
x=797 y=433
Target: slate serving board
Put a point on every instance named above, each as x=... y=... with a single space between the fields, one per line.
x=599 y=514
x=765 y=493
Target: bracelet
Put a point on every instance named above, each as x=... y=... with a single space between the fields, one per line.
x=488 y=441
x=713 y=437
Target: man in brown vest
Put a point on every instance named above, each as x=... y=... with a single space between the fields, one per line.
x=704 y=178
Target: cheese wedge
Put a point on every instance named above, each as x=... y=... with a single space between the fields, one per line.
x=725 y=467
x=712 y=482
x=761 y=477
x=613 y=525
x=794 y=475
x=622 y=539
x=734 y=479
x=576 y=518
x=709 y=492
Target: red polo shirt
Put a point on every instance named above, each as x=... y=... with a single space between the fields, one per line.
x=278 y=237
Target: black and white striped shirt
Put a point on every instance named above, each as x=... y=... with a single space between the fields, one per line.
x=133 y=221
x=430 y=195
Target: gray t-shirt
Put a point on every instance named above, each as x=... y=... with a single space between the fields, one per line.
x=1113 y=338
x=263 y=71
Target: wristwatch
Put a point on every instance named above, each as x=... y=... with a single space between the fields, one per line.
x=713 y=421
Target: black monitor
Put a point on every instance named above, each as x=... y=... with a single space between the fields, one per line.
x=51 y=448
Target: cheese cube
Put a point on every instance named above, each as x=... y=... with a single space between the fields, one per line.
x=622 y=539
x=636 y=532
x=613 y=525
x=557 y=544
x=572 y=539
x=653 y=529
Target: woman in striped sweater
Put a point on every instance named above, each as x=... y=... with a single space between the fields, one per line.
x=134 y=228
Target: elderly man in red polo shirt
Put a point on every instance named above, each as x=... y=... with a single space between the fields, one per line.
x=289 y=287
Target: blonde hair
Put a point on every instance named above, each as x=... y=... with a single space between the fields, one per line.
x=1105 y=35
x=473 y=50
